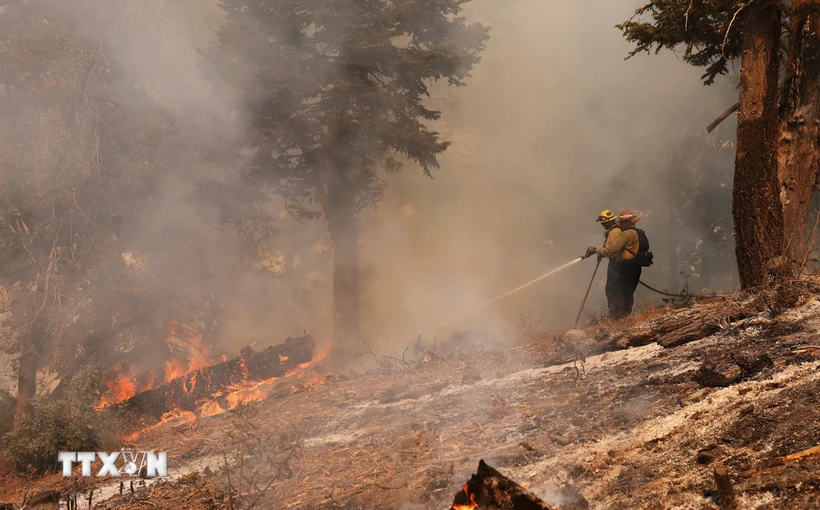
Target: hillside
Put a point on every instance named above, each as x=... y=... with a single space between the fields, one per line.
x=633 y=426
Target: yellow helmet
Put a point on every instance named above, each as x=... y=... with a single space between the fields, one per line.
x=606 y=215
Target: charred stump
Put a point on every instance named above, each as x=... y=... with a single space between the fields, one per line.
x=189 y=392
x=489 y=489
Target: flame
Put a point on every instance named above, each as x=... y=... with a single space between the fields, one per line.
x=172 y=419
x=187 y=340
x=174 y=369
x=314 y=380
x=317 y=358
x=188 y=354
x=119 y=385
x=471 y=505
x=250 y=393
x=223 y=401
x=186 y=337
x=121 y=388
x=211 y=408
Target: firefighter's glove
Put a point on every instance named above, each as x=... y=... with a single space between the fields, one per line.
x=590 y=251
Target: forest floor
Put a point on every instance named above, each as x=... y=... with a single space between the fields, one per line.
x=607 y=418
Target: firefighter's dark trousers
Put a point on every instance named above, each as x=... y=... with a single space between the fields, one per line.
x=621 y=282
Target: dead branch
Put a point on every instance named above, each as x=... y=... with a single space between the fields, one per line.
x=729 y=28
x=723 y=116
x=383 y=361
x=799 y=455
x=275 y=477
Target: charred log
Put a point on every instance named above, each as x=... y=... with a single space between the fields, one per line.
x=688 y=324
x=489 y=489
x=189 y=392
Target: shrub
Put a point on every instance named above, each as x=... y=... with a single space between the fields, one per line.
x=7 y=404
x=69 y=423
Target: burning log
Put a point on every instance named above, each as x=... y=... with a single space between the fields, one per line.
x=489 y=489
x=214 y=383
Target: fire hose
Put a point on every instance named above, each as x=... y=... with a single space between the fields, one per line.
x=653 y=289
x=531 y=282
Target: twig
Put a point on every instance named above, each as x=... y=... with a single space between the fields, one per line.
x=799 y=455
x=275 y=477
x=686 y=15
x=230 y=484
x=729 y=28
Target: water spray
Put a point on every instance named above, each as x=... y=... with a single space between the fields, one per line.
x=513 y=291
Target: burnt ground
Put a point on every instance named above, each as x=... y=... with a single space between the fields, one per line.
x=642 y=427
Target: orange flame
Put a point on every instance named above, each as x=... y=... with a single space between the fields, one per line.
x=188 y=354
x=211 y=408
x=314 y=380
x=174 y=369
x=251 y=391
x=319 y=357
x=471 y=505
x=172 y=419
x=121 y=388
x=186 y=338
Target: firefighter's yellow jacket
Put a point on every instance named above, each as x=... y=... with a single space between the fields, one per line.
x=620 y=244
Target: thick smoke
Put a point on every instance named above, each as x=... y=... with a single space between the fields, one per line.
x=553 y=126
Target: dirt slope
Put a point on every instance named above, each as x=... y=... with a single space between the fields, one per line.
x=643 y=427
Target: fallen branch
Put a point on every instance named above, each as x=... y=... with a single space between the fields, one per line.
x=211 y=383
x=799 y=455
x=687 y=324
x=806 y=349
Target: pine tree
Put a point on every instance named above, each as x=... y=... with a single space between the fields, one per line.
x=338 y=90
x=771 y=194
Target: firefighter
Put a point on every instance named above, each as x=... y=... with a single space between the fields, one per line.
x=630 y=266
x=620 y=246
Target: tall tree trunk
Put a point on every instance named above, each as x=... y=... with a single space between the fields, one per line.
x=756 y=206
x=31 y=353
x=799 y=157
x=344 y=234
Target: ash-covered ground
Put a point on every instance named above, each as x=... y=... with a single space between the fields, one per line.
x=640 y=427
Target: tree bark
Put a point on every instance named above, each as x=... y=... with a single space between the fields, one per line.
x=756 y=206
x=344 y=234
x=799 y=151
x=29 y=363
